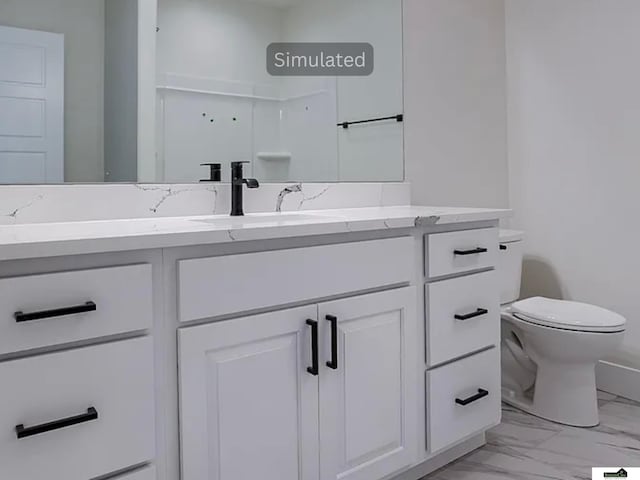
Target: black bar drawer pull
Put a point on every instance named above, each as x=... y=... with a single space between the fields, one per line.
x=333 y=364
x=478 y=313
x=503 y=247
x=59 y=312
x=475 y=251
x=481 y=394
x=314 y=368
x=23 y=432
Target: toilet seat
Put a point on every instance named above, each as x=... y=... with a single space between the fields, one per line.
x=566 y=315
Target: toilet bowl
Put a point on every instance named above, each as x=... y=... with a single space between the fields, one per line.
x=550 y=348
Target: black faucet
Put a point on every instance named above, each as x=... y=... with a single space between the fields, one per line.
x=237 y=182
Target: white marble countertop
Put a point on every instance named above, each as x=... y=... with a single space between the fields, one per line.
x=71 y=238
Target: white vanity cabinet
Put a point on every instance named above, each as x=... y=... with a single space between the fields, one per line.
x=464 y=251
x=77 y=368
x=464 y=398
x=62 y=307
x=462 y=314
x=248 y=405
x=367 y=354
x=220 y=285
x=320 y=392
x=368 y=396
x=77 y=414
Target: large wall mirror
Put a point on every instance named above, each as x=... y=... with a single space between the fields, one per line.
x=150 y=90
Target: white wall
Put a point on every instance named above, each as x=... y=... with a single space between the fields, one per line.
x=220 y=39
x=455 y=132
x=82 y=23
x=121 y=91
x=215 y=45
x=574 y=149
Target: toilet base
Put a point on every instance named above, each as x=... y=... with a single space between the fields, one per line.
x=567 y=396
x=526 y=406
x=563 y=389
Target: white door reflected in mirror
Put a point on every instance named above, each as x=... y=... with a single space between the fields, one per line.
x=69 y=90
x=31 y=106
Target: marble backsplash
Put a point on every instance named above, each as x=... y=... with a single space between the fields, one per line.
x=68 y=203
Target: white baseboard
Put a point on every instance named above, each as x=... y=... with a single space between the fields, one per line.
x=618 y=379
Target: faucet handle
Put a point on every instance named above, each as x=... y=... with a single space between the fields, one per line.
x=215 y=172
x=251 y=183
x=239 y=163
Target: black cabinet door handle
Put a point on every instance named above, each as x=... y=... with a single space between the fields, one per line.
x=475 y=251
x=333 y=364
x=58 y=312
x=478 y=313
x=314 y=368
x=503 y=247
x=23 y=432
x=481 y=394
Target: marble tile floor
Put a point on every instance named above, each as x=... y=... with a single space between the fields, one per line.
x=524 y=447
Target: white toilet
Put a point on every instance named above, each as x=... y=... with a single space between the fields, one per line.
x=550 y=347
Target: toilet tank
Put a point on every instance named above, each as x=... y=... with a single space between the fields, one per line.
x=510 y=265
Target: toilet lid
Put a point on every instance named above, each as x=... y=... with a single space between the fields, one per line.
x=568 y=315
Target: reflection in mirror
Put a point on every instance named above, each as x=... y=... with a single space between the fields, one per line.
x=77 y=91
x=218 y=104
x=68 y=91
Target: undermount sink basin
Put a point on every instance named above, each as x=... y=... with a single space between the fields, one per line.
x=262 y=219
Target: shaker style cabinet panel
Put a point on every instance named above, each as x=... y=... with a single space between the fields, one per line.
x=62 y=307
x=368 y=386
x=253 y=389
x=77 y=414
x=463 y=316
x=248 y=404
x=209 y=287
x=459 y=252
x=464 y=398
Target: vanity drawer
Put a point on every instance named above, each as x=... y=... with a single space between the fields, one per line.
x=210 y=287
x=463 y=399
x=463 y=316
x=458 y=252
x=113 y=381
x=121 y=296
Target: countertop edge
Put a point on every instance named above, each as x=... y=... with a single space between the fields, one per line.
x=334 y=222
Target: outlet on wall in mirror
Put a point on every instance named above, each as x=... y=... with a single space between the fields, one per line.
x=149 y=90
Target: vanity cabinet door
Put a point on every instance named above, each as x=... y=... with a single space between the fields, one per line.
x=368 y=414
x=248 y=405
